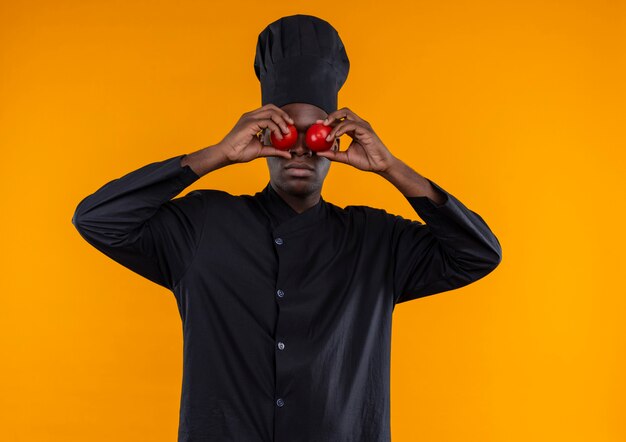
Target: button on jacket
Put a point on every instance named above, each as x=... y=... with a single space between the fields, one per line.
x=286 y=316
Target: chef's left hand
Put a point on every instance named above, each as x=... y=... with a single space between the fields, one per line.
x=366 y=151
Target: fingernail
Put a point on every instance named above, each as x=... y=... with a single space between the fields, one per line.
x=326 y=121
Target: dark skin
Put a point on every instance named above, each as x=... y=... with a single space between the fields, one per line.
x=300 y=192
x=366 y=152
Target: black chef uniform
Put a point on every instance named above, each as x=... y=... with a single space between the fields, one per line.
x=286 y=316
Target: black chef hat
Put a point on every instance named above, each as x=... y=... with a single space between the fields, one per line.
x=301 y=59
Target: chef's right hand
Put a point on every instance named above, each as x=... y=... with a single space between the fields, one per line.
x=243 y=144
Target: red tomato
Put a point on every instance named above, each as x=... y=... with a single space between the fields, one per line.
x=316 y=137
x=287 y=141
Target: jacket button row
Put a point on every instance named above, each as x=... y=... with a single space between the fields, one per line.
x=278 y=241
x=280 y=293
x=281 y=345
x=280 y=402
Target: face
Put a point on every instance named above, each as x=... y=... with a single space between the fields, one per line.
x=295 y=181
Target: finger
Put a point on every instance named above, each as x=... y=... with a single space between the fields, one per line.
x=268 y=151
x=338 y=156
x=268 y=123
x=344 y=112
x=281 y=122
x=345 y=126
x=278 y=117
x=353 y=129
x=270 y=108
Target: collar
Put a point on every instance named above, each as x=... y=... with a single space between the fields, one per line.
x=283 y=218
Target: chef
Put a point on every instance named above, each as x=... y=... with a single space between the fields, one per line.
x=286 y=299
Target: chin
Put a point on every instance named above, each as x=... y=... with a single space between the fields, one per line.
x=299 y=186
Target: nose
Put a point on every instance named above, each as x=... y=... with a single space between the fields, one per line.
x=300 y=148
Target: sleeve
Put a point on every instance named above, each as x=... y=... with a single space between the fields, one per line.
x=134 y=220
x=454 y=248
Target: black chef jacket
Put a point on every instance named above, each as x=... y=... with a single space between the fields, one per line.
x=286 y=316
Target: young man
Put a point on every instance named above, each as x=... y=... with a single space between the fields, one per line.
x=286 y=299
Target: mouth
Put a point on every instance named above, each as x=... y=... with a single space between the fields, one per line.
x=301 y=166
x=302 y=170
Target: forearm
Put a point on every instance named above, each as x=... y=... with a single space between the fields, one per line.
x=206 y=160
x=453 y=249
x=411 y=183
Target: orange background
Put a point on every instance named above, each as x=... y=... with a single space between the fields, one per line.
x=514 y=107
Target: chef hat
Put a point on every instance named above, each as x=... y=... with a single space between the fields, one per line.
x=300 y=58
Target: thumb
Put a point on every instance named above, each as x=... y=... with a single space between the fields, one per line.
x=326 y=154
x=340 y=157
